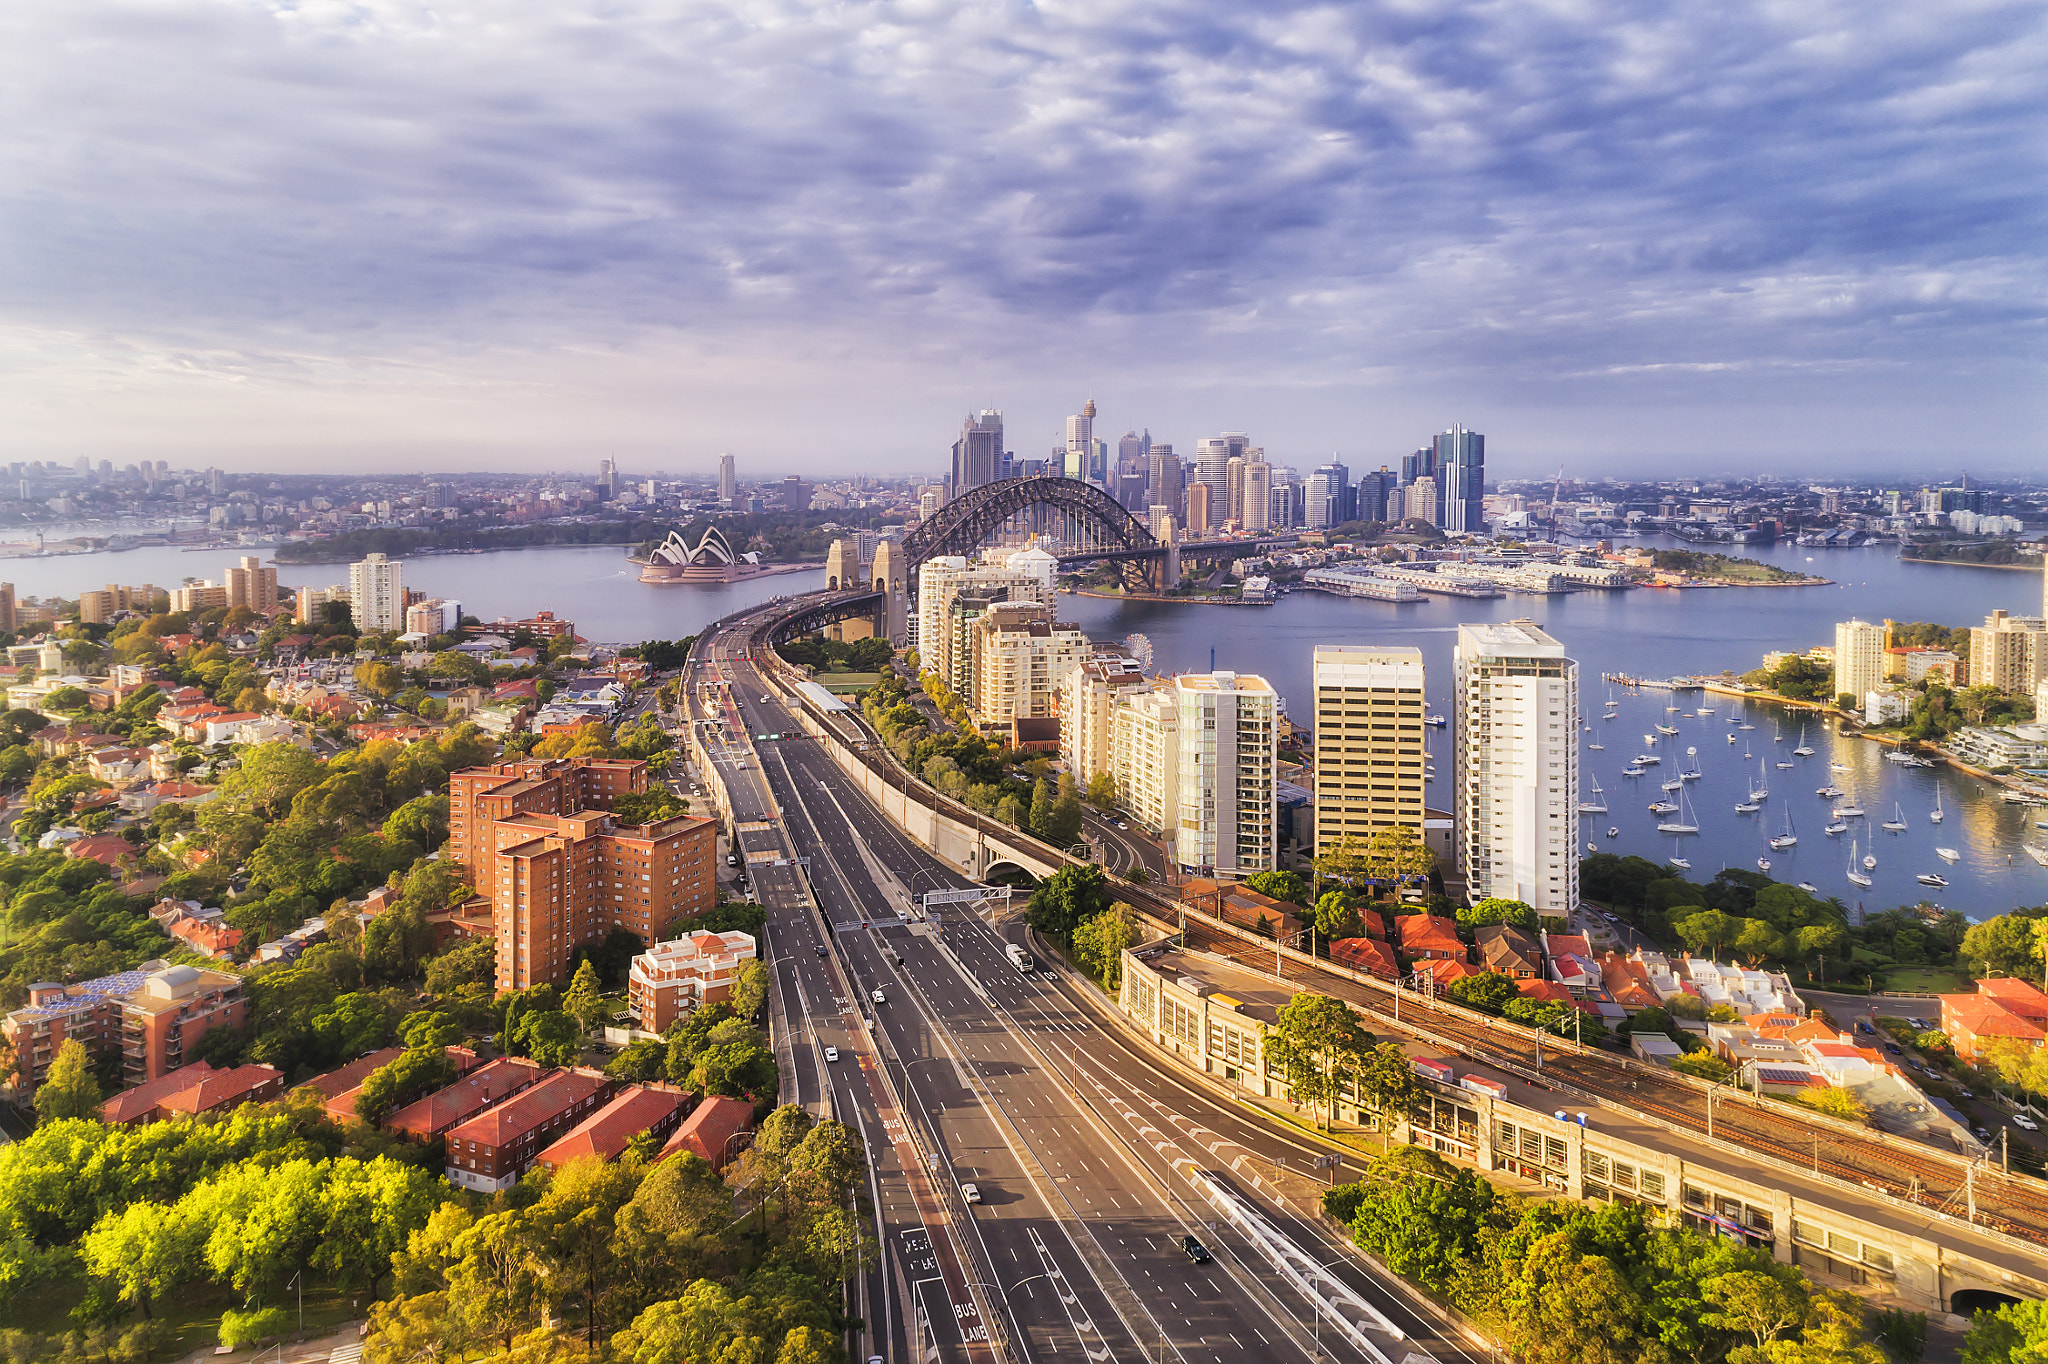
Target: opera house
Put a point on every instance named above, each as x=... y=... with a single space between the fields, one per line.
x=711 y=560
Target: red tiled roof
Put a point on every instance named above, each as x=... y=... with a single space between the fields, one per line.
x=1984 y=1016
x=1365 y=954
x=132 y=1105
x=110 y=849
x=221 y=1088
x=351 y=1076
x=1427 y=933
x=528 y=1109
x=1544 y=992
x=605 y=1133
x=1446 y=969
x=446 y=1107
x=710 y=1127
x=2016 y=996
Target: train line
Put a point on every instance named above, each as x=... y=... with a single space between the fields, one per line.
x=2010 y=1204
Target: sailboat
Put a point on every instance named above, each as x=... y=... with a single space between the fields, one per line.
x=1598 y=804
x=1935 y=816
x=1836 y=827
x=1731 y=738
x=1762 y=789
x=1675 y=783
x=1695 y=774
x=1777 y=735
x=1855 y=875
x=1763 y=864
x=1598 y=748
x=1805 y=749
x=1870 y=858
x=1786 y=839
x=1897 y=823
x=1686 y=823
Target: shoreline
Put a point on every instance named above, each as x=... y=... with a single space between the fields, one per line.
x=1964 y=563
x=1715 y=582
x=1165 y=600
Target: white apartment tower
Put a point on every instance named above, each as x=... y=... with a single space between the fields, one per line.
x=1517 y=766
x=1229 y=749
x=1860 y=658
x=1369 y=741
x=376 y=596
x=1144 y=755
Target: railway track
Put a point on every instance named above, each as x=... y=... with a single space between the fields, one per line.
x=1887 y=1165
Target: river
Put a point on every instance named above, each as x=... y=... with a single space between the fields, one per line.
x=1644 y=632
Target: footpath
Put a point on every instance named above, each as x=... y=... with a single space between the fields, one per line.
x=344 y=1346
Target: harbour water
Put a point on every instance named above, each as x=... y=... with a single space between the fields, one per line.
x=1646 y=632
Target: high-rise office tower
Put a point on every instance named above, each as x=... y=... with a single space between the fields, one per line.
x=1232 y=505
x=1164 y=479
x=1517 y=766
x=1370 y=495
x=1132 y=452
x=1421 y=502
x=607 y=480
x=1198 y=520
x=1229 y=751
x=1080 y=448
x=1131 y=493
x=1329 y=497
x=1421 y=464
x=1212 y=465
x=728 y=481
x=376 y=594
x=978 y=454
x=1255 y=497
x=1461 y=479
x=1370 y=755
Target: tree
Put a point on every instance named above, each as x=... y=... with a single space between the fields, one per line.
x=1387 y=1087
x=1757 y=942
x=1836 y=1102
x=750 y=989
x=1703 y=1065
x=1707 y=930
x=549 y=1036
x=1762 y=1304
x=1314 y=1041
x=1336 y=917
x=1343 y=862
x=145 y=1249
x=1422 y=1216
x=1397 y=853
x=1279 y=885
x=1487 y=991
x=1065 y=899
x=401 y=1080
x=2005 y=943
x=2015 y=1333
x=1102 y=792
x=380 y=678
x=648 y=807
x=1100 y=942
x=585 y=1000
x=68 y=1089
x=473 y=963
x=1495 y=910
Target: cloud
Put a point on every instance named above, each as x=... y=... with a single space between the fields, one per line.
x=1374 y=211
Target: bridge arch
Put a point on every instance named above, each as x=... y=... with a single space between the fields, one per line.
x=970 y=521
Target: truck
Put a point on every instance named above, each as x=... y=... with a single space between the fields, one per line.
x=1019 y=958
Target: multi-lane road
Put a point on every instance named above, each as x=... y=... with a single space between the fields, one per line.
x=1090 y=1169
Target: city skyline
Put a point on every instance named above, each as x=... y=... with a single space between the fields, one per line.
x=1717 y=239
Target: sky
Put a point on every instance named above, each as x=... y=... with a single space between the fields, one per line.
x=1615 y=237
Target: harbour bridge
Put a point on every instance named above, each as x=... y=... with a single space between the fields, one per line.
x=1081 y=523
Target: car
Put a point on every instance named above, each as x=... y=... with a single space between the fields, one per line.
x=879 y=998
x=1967 y=1094
x=1893 y=1048
x=1983 y=1133
x=831 y=1053
x=2022 y=1121
x=1195 y=1250
x=970 y=1193
x=821 y=949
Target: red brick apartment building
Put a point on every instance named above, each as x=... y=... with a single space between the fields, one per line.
x=149 y=1015
x=441 y=1112
x=607 y=1132
x=559 y=871
x=494 y=1148
x=698 y=968
x=196 y=1089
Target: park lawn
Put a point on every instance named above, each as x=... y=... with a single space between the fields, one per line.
x=192 y=1312
x=846 y=682
x=1926 y=980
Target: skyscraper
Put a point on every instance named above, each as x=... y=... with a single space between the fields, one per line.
x=1198 y=520
x=1164 y=480
x=978 y=454
x=1255 y=501
x=728 y=481
x=376 y=594
x=1517 y=766
x=607 y=480
x=1081 y=442
x=1212 y=465
x=1369 y=741
x=1131 y=453
x=1329 y=492
x=252 y=585
x=1461 y=479
x=1229 y=751
x=1371 y=494
x=1860 y=658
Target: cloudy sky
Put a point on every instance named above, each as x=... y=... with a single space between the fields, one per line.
x=533 y=233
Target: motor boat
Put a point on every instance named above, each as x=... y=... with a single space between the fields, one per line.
x=1839 y=767
x=1592 y=847
x=1948 y=854
x=1745 y=726
x=1763 y=864
x=1809 y=887
x=1613 y=831
x=1631 y=771
x=1849 y=811
x=1435 y=721
x=1930 y=878
x=1648 y=760
x=1667 y=729
x=1675 y=784
x=1680 y=863
x=1731 y=738
x=1830 y=792
x=1663 y=807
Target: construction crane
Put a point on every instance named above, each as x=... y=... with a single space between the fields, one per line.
x=1555 y=493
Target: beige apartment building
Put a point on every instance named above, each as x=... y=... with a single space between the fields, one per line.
x=1369 y=741
x=1229 y=755
x=1144 y=755
x=952 y=593
x=2009 y=653
x=1860 y=658
x=252 y=585
x=1020 y=654
x=1089 y=695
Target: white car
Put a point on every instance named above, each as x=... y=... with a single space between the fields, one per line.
x=831 y=1053
x=970 y=1193
x=2022 y=1120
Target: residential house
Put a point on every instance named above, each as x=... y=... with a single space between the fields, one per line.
x=1627 y=982
x=338 y=1088
x=1444 y=970
x=1509 y=951
x=1429 y=937
x=427 y=1119
x=2003 y=1009
x=1572 y=963
x=1365 y=954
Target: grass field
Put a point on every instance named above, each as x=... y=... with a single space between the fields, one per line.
x=846 y=682
x=193 y=1313
x=1926 y=980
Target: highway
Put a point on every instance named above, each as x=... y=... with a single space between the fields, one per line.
x=1081 y=1152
